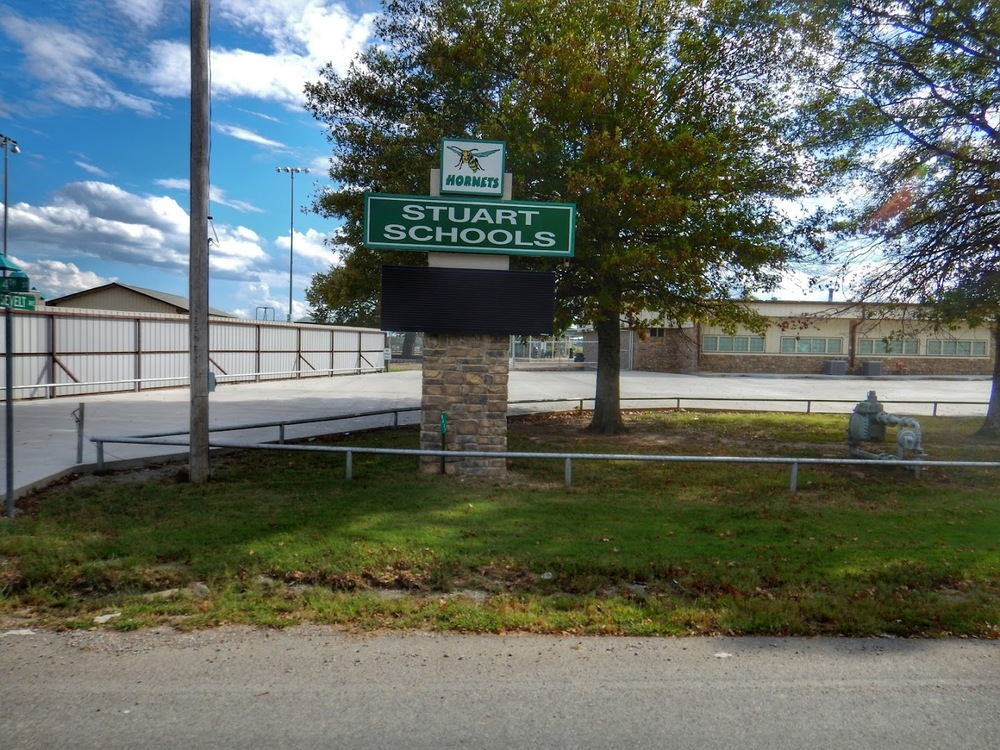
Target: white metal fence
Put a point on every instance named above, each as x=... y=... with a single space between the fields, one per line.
x=60 y=352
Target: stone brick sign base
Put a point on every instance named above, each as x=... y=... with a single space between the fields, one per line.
x=465 y=376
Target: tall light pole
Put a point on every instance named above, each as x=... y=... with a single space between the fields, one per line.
x=9 y=145
x=292 y=171
x=8 y=323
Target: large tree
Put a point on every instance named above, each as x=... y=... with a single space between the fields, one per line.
x=669 y=123
x=343 y=295
x=920 y=83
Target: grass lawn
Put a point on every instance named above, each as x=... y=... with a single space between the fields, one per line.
x=279 y=538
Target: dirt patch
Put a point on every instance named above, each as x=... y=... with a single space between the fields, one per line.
x=644 y=435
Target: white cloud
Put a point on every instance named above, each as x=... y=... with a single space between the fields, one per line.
x=167 y=70
x=98 y=220
x=218 y=196
x=96 y=171
x=265 y=305
x=74 y=68
x=795 y=287
x=312 y=29
x=236 y=254
x=244 y=134
x=320 y=165
x=174 y=183
x=299 y=37
x=270 y=296
x=310 y=247
x=143 y=13
x=261 y=115
x=215 y=194
x=276 y=77
x=287 y=43
x=57 y=278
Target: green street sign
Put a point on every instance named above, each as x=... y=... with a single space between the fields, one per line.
x=18 y=301
x=14 y=284
x=469 y=225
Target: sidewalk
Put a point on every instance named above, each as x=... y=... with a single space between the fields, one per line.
x=45 y=431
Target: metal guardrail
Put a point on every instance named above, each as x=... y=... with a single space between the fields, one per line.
x=280 y=424
x=679 y=401
x=395 y=412
x=349 y=451
x=793 y=462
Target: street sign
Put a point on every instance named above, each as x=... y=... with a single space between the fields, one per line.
x=470 y=167
x=14 y=284
x=469 y=225
x=18 y=301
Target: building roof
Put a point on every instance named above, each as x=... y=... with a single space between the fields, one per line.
x=174 y=300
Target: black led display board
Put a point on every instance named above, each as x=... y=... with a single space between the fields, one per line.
x=461 y=300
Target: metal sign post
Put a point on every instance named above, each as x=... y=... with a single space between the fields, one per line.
x=444 y=431
x=8 y=327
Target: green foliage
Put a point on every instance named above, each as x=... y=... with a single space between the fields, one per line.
x=672 y=125
x=916 y=83
x=335 y=296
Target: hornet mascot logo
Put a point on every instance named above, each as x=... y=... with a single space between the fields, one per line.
x=471 y=157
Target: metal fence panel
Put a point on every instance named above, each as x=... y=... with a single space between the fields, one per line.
x=95 y=374
x=165 y=336
x=232 y=337
x=94 y=335
x=60 y=352
x=163 y=369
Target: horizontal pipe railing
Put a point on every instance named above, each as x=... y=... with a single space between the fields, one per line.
x=679 y=401
x=285 y=423
x=793 y=462
x=281 y=424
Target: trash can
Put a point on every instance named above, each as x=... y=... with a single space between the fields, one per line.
x=578 y=361
x=871 y=367
x=835 y=367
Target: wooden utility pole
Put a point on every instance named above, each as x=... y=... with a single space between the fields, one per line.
x=198 y=467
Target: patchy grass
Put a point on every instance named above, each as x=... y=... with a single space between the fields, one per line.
x=279 y=538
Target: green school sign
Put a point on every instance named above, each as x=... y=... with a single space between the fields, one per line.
x=469 y=225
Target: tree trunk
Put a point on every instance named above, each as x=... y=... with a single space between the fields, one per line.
x=991 y=427
x=607 y=400
x=409 y=341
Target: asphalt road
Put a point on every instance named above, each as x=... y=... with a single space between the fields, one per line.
x=317 y=688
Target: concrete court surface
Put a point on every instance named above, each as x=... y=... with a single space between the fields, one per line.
x=45 y=431
x=313 y=687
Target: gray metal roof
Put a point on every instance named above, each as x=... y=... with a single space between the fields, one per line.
x=175 y=300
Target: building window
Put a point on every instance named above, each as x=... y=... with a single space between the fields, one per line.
x=656 y=333
x=733 y=344
x=955 y=348
x=889 y=346
x=811 y=345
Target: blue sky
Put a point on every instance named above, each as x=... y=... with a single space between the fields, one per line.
x=96 y=93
